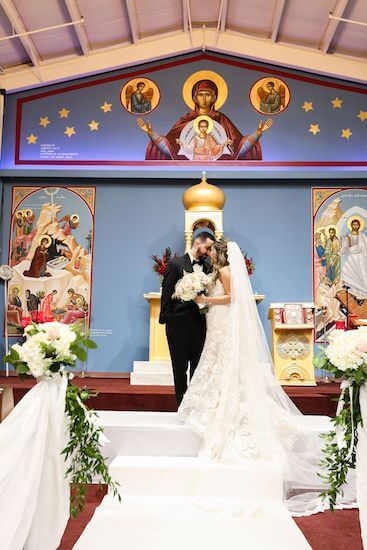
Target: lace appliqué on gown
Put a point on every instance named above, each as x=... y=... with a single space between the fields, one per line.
x=212 y=407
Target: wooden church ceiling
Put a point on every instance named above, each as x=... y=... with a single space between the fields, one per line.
x=52 y=40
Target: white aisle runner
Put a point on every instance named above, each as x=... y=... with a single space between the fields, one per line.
x=172 y=499
x=162 y=524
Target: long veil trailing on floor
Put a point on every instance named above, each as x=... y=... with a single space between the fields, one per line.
x=280 y=429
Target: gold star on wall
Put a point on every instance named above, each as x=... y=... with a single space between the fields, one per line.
x=106 y=107
x=32 y=139
x=362 y=115
x=44 y=121
x=70 y=131
x=93 y=125
x=64 y=113
x=314 y=129
x=307 y=106
x=337 y=103
x=346 y=133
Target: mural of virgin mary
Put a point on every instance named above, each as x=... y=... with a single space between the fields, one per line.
x=206 y=98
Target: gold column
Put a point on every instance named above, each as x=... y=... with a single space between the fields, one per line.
x=188 y=240
x=158 y=346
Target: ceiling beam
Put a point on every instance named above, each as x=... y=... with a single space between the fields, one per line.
x=223 y=19
x=185 y=16
x=18 y=25
x=303 y=59
x=80 y=31
x=133 y=20
x=187 y=22
x=332 y=26
x=277 y=18
x=295 y=57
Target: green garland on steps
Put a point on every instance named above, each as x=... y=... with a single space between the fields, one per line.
x=82 y=452
x=340 y=457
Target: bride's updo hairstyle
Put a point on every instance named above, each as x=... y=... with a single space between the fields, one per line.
x=220 y=256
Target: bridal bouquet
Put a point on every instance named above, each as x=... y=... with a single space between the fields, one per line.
x=48 y=351
x=345 y=357
x=190 y=286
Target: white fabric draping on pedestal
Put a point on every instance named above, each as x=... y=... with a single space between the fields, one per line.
x=34 y=493
x=361 y=467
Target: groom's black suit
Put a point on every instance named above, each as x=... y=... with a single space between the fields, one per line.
x=185 y=325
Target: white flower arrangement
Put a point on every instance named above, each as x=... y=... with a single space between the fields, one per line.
x=191 y=285
x=345 y=357
x=48 y=347
x=48 y=351
x=348 y=349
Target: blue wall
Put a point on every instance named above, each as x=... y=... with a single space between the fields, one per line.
x=272 y=222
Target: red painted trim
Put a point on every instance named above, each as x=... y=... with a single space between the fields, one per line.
x=168 y=163
x=167 y=65
x=286 y=74
x=200 y=57
x=18 y=124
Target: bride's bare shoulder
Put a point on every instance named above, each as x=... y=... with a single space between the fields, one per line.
x=224 y=272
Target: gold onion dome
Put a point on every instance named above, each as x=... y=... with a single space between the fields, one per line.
x=203 y=196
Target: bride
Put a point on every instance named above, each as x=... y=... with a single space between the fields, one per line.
x=234 y=401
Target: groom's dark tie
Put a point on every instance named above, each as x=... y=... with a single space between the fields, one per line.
x=197 y=262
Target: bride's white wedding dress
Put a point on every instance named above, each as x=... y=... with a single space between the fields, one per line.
x=237 y=406
x=212 y=407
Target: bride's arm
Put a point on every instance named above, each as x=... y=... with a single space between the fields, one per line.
x=225 y=278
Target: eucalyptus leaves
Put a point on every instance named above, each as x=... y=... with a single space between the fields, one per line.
x=50 y=350
x=345 y=357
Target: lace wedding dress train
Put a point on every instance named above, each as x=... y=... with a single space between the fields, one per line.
x=237 y=406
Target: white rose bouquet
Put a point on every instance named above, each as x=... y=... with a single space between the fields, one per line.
x=345 y=357
x=190 y=286
x=347 y=352
x=50 y=350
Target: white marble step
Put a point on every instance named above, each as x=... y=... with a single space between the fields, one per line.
x=138 y=418
x=146 y=433
x=152 y=373
x=151 y=379
x=162 y=434
x=155 y=367
x=132 y=433
x=145 y=523
x=192 y=476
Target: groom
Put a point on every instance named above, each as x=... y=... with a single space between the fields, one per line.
x=185 y=325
